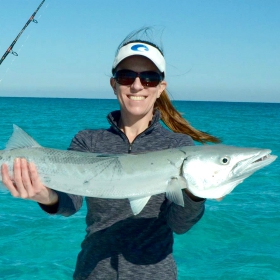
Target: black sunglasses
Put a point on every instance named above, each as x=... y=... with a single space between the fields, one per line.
x=148 y=78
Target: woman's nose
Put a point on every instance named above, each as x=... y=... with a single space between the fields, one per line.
x=137 y=84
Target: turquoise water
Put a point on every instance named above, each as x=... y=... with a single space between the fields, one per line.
x=238 y=238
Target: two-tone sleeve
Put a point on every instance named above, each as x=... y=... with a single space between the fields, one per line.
x=69 y=204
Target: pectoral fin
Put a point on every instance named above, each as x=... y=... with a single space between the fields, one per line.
x=138 y=204
x=174 y=191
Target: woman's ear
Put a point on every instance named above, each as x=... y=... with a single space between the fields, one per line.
x=162 y=86
x=113 y=85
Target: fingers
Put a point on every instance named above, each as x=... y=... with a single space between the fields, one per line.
x=34 y=177
x=29 y=183
x=25 y=182
x=21 y=177
x=8 y=182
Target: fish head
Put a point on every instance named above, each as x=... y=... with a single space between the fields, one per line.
x=214 y=171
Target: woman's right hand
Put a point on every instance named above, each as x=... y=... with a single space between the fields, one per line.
x=26 y=183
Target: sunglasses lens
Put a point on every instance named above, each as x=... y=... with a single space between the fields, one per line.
x=150 y=78
x=125 y=77
x=147 y=78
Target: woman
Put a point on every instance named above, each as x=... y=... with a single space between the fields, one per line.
x=119 y=245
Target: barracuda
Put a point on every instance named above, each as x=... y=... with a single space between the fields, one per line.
x=207 y=171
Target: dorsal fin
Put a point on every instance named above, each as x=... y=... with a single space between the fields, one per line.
x=20 y=139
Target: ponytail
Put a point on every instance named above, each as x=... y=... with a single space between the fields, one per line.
x=174 y=120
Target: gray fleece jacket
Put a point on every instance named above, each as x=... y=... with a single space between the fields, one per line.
x=119 y=245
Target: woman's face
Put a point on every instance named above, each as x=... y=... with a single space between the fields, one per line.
x=137 y=100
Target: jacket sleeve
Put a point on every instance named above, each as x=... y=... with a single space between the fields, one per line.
x=69 y=204
x=181 y=219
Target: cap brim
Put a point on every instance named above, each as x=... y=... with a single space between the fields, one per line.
x=142 y=49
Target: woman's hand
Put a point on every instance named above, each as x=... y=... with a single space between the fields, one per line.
x=26 y=183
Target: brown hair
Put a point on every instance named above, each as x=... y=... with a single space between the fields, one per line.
x=174 y=120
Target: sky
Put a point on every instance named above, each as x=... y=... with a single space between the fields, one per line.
x=226 y=50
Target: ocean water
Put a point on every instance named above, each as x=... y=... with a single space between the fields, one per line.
x=237 y=238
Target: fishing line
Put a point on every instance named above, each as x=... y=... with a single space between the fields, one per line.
x=10 y=48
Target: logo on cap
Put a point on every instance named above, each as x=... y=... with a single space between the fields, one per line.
x=140 y=48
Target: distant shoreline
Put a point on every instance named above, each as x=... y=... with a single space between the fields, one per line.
x=111 y=99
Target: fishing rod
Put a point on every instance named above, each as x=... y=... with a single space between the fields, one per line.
x=10 y=48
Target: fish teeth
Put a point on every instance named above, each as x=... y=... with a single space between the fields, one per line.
x=262 y=158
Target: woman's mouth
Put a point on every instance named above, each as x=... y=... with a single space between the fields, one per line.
x=136 y=97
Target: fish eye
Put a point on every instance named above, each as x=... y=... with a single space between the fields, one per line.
x=225 y=160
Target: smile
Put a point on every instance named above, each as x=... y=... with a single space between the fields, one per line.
x=134 y=97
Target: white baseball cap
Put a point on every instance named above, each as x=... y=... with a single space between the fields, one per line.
x=139 y=48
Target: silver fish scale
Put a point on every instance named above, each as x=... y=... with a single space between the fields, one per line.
x=71 y=157
x=52 y=161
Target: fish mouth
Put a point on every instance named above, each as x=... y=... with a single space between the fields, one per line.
x=262 y=158
x=247 y=167
x=256 y=162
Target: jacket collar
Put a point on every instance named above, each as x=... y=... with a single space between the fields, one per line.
x=113 y=119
